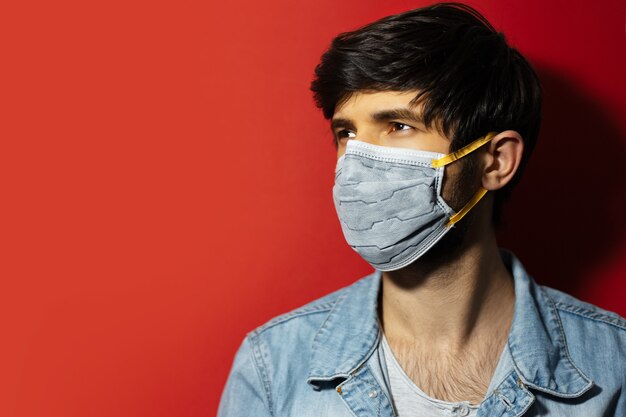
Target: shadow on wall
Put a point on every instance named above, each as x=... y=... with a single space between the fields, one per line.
x=565 y=218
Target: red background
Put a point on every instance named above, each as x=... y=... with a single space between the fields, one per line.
x=166 y=185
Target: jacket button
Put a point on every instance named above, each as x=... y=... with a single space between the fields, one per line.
x=373 y=394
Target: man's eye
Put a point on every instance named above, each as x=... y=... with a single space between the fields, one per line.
x=345 y=134
x=397 y=126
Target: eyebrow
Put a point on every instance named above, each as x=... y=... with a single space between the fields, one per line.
x=401 y=113
x=341 y=123
x=380 y=116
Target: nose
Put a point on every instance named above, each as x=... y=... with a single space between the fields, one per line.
x=371 y=139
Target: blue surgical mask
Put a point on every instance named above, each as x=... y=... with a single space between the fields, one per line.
x=389 y=201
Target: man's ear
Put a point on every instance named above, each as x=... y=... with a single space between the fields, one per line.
x=501 y=159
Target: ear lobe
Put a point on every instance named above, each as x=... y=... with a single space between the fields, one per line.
x=502 y=157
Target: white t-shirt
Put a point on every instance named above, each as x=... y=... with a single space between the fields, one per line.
x=410 y=401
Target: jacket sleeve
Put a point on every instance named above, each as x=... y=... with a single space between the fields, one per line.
x=246 y=392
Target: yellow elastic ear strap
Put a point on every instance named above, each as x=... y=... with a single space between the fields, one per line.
x=463 y=151
x=443 y=161
x=473 y=201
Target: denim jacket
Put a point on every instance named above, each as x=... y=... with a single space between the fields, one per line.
x=563 y=357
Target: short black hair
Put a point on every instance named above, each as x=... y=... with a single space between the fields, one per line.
x=470 y=80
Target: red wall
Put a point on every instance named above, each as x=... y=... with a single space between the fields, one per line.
x=166 y=185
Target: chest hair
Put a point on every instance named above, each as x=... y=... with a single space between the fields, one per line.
x=459 y=375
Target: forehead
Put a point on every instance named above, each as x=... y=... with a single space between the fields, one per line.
x=363 y=103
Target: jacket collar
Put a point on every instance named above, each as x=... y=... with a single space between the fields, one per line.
x=537 y=340
x=350 y=334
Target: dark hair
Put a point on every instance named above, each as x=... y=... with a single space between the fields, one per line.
x=470 y=80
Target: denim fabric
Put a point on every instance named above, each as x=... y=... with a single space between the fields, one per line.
x=564 y=357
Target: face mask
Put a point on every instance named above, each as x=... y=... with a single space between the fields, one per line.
x=389 y=201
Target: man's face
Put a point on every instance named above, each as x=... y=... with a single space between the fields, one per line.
x=386 y=118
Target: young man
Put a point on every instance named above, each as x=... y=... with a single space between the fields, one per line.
x=434 y=117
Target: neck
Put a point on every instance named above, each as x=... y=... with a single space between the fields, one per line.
x=451 y=303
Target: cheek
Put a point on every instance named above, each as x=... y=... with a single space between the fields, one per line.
x=448 y=188
x=459 y=185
